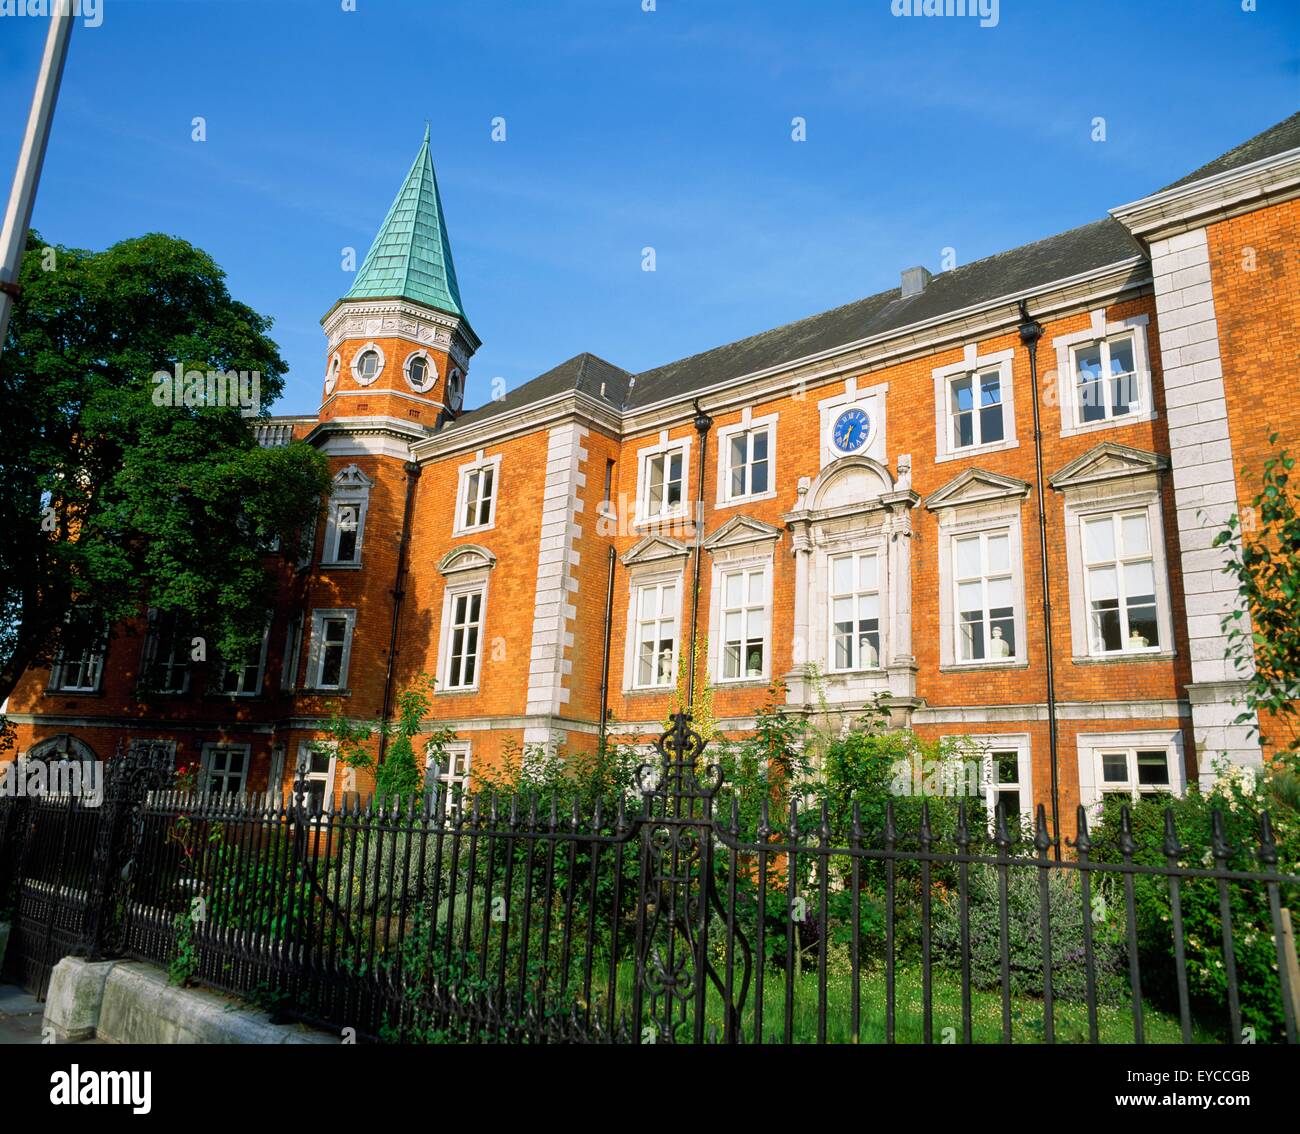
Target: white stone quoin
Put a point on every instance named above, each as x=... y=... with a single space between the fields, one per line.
x=1205 y=493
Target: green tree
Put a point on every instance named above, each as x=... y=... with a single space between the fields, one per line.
x=1264 y=631
x=401 y=775
x=111 y=501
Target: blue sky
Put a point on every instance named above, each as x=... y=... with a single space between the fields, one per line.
x=627 y=129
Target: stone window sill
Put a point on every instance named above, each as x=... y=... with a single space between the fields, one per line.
x=1126 y=659
x=981 y=667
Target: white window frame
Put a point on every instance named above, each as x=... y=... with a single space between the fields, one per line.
x=205 y=764
x=1131 y=785
x=316 y=654
x=1072 y=422
x=457 y=773
x=338 y=529
x=454 y=593
x=432 y=378
x=465 y=476
x=332 y=373
x=973 y=363
x=747 y=610
x=1106 y=500
x=455 y=389
x=275 y=775
x=634 y=623
x=351 y=490
x=1092 y=747
x=956 y=522
x=747 y=427
x=240 y=690
x=1116 y=518
x=93 y=661
x=1019 y=745
x=882 y=610
x=665 y=448
x=356 y=359
x=302 y=767
x=1015 y=567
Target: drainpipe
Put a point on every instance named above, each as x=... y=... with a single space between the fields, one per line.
x=703 y=423
x=604 y=659
x=1030 y=332
x=399 y=592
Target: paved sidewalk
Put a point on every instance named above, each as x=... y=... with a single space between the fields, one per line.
x=21 y=1015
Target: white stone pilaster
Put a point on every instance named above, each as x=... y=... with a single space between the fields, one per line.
x=554 y=609
x=1205 y=492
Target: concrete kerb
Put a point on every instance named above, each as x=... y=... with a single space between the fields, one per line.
x=130 y=1002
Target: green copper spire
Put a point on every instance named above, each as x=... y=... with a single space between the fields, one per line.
x=411 y=256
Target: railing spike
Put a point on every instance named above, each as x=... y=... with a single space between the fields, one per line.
x=1082 y=841
x=1268 y=854
x=1042 y=840
x=1172 y=847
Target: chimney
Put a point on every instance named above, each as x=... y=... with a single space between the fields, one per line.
x=915 y=281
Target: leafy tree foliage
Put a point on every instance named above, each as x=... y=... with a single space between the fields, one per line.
x=110 y=501
x=1264 y=632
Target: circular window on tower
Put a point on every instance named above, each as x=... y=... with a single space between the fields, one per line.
x=332 y=375
x=367 y=364
x=420 y=372
x=455 y=391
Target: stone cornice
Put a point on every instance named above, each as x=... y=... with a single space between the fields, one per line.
x=1219 y=197
x=366 y=427
x=377 y=318
x=515 y=423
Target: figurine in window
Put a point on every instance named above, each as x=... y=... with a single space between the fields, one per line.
x=1136 y=641
x=998 y=645
x=870 y=655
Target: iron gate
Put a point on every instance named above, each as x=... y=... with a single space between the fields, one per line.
x=66 y=864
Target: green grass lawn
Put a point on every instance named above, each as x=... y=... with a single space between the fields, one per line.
x=1114 y=1022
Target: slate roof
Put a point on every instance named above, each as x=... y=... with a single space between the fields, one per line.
x=411 y=256
x=1007 y=274
x=586 y=372
x=1273 y=141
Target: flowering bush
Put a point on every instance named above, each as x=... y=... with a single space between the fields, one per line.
x=1239 y=796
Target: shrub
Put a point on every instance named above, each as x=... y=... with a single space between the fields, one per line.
x=1239 y=796
x=1024 y=934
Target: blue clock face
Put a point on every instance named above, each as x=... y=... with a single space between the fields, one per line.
x=851 y=429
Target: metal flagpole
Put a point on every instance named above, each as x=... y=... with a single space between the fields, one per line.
x=18 y=216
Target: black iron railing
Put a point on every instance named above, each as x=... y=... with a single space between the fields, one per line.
x=653 y=919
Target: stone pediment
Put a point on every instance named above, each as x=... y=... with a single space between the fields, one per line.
x=741 y=530
x=467 y=557
x=976 y=486
x=850 y=482
x=654 y=549
x=352 y=477
x=1107 y=461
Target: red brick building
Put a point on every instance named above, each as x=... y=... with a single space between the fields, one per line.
x=871 y=493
